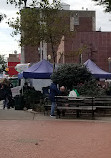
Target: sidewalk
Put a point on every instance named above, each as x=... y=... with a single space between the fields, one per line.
x=29 y=134
x=1 y=104
x=41 y=116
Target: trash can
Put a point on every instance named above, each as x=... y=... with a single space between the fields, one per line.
x=18 y=102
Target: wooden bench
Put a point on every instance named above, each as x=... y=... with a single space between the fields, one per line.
x=105 y=101
x=79 y=105
x=83 y=104
x=76 y=105
x=103 y=104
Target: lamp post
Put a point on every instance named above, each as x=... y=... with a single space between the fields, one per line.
x=41 y=50
x=49 y=57
x=109 y=61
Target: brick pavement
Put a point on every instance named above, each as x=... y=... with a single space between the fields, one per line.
x=46 y=137
x=54 y=139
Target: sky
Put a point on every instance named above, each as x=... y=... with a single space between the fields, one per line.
x=9 y=44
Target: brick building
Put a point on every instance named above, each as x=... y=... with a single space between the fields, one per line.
x=86 y=42
x=95 y=46
x=13 y=60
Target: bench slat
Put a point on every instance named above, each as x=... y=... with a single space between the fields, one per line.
x=76 y=108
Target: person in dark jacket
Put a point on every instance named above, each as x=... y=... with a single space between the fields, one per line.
x=53 y=92
x=6 y=90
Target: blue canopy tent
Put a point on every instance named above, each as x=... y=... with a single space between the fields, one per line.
x=40 y=70
x=96 y=71
x=20 y=75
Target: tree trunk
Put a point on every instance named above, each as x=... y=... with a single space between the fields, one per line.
x=53 y=53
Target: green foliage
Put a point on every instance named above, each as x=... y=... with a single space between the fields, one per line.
x=41 y=24
x=31 y=97
x=90 y=88
x=105 y=3
x=70 y=75
x=2 y=63
x=46 y=20
x=77 y=76
x=32 y=94
x=2 y=16
x=17 y=3
x=108 y=90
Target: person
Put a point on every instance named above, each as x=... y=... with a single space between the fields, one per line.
x=63 y=92
x=73 y=93
x=7 y=96
x=6 y=93
x=54 y=91
x=25 y=88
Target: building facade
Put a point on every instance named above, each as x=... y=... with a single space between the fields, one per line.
x=74 y=20
x=86 y=43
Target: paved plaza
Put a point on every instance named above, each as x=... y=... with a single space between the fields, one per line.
x=28 y=135
x=54 y=139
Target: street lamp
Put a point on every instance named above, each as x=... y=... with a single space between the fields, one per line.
x=49 y=57
x=109 y=61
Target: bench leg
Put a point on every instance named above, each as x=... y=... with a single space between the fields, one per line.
x=77 y=113
x=92 y=114
x=58 y=113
